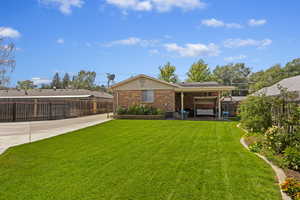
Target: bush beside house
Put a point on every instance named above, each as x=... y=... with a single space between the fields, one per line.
x=139 y=112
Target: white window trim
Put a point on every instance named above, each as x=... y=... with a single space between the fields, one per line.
x=147 y=101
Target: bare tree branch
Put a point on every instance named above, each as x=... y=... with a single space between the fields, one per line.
x=7 y=60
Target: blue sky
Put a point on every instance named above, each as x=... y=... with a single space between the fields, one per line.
x=129 y=37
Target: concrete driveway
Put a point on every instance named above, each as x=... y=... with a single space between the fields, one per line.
x=15 y=133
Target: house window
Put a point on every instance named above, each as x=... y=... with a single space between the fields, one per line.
x=148 y=96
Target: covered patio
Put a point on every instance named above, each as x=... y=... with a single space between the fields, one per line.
x=200 y=100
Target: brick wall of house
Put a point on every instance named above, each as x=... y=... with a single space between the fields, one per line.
x=163 y=99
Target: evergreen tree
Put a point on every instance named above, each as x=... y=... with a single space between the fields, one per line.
x=66 y=82
x=56 y=81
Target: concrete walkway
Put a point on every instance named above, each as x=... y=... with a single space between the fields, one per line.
x=15 y=133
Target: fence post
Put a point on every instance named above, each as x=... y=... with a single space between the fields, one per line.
x=94 y=106
x=14 y=111
x=50 y=108
x=35 y=109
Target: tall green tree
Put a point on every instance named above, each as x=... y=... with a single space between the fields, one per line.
x=233 y=75
x=56 y=81
x=292 y=68
x=25 y=85
x=199 y=72
x=84 y=80
x=167 y=73
x=266 y=78
x=66 y=82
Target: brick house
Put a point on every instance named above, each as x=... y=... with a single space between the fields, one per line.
x=198 y=98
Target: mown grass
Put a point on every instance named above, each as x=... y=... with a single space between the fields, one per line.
x=138 y=160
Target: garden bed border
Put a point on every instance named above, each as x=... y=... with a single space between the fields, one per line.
x=281 y=176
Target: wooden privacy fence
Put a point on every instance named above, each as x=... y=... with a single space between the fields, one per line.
x=31 y=111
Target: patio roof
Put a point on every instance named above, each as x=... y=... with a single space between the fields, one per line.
x=204 y=88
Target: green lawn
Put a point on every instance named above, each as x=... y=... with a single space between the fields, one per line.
x=138 y=160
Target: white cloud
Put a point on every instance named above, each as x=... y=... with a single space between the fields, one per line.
x=131 y=41
x=259 y=22
x=218 y=23
x=212 y=22
x=64 y=6
x=232 y=43
x=8 y=32
x=39 y=81
x=131 y=4
x=167 y=5
x=193 y=50
x=60 y=41
x=233 y=58
x=159 y=5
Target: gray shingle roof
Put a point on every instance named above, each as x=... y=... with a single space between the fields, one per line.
x=292 y=84
x=199 y=84
x=39 y=93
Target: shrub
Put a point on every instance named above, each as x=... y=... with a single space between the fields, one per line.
x=255 y=113
x=256 y=147
x=292 y=188
x=139 y=110
x=292 y=158
x=121 y=111
x=275 y=139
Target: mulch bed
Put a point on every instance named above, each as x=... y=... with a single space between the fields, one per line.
x=292 y=174
x=249 y=140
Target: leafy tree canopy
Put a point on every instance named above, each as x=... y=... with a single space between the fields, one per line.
x=84 y=80
x=199 y=72
x=167 y=73
x=25 y=85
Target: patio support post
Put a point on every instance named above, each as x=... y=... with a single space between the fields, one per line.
x=219 y=104
x=182 y=109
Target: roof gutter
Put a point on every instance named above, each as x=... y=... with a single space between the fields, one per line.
x=205 y=89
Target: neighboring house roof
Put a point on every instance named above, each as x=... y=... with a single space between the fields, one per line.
x=184 y=86
x=234 y=99
x=53 y=93
x=292 y=84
